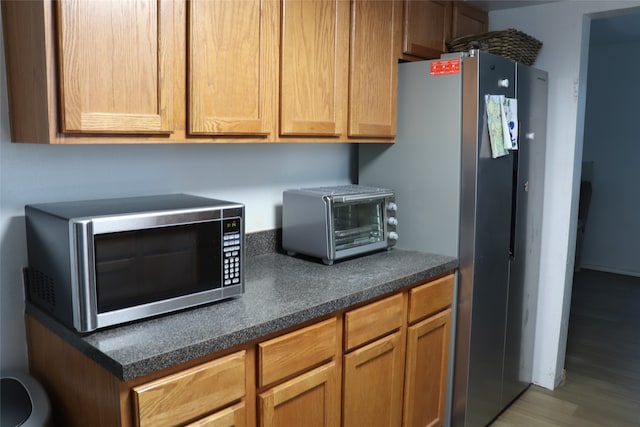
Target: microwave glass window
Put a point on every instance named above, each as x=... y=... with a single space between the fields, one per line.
x=358 y=224
x=142 y=266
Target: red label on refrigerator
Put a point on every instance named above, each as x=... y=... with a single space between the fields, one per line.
x=445 y=66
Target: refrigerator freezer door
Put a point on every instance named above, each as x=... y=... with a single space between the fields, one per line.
x=524 y=269
x=484 y=247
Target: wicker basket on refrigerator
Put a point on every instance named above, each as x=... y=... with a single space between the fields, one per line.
x=510 y=43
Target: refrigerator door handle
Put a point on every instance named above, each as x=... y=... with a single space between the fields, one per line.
x=514 y=206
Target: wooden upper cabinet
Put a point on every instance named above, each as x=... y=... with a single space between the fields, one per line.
x=468 y=20
x=313 y=67
x=232 y=73
x=376 y=28
x=115 y=61
x=426 y=28
x=148 y=71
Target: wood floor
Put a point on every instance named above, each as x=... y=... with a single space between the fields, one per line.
x=602 y=385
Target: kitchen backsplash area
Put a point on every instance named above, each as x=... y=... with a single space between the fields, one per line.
x=253 y=174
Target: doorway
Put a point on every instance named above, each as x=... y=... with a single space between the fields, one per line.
x=603 y=340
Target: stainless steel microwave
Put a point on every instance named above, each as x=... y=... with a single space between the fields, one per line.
x=333 y=223
x=98 y=263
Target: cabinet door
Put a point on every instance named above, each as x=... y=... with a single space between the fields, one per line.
x=426 y=371
x=468 y=20
x=313 y=67
x=234 y=416
x=115 y=66
x=311 y=400
x=373 y=72
x=373 y=379
x=427 y=26
x=232 y=66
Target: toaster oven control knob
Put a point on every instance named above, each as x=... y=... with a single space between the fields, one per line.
x=392 y=235
x=392 y=207
x=392 y=220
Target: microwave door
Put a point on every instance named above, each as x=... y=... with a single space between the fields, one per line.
x=83 y=278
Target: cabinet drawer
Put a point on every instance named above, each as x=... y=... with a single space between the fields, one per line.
x=430 y=298
x=296 y=351
x=229 y=417
x=372 y=321
x=191 y=394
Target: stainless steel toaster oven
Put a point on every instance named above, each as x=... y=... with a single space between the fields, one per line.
x=332 y=223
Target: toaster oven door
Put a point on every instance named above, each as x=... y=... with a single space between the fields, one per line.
x=358 y=224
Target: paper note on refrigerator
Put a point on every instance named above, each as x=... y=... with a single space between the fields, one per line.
x=510 y=123
x=493 y=106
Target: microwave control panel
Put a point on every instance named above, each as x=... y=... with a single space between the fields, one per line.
x=232 y=251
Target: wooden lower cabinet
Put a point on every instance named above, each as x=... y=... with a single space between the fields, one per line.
x=219 y=391
x=311 y=400
x=381 y=364
x=297 y=351
x=191 y=394
x=426 y=371
x=234 y=416
x=373 y=379
x=396 y=365
x=307 y=361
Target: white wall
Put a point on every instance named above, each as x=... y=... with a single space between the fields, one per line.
x=253 y=174
x=560 y=27
x=611 y=142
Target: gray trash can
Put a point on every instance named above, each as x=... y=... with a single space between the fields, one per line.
x=24 y=402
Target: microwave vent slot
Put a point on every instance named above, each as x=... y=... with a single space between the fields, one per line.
x=40 y=286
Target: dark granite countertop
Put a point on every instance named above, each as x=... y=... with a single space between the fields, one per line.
x=280 y=292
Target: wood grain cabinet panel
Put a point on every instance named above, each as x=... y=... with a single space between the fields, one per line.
x=232 y=56
x=190 y=394
x=115 y=66
x=428 y=25
x=234 y=416
x=165 y=71
x=373 y=384
x=376 y=28
x=313 y=67
x=426 y=371
x=426 y=28
x=372 y=321
x=296 y=351
x=430 y=298
x=468 y=20
x=311 y=400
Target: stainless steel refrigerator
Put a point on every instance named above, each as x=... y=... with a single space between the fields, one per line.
x=453 y=198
